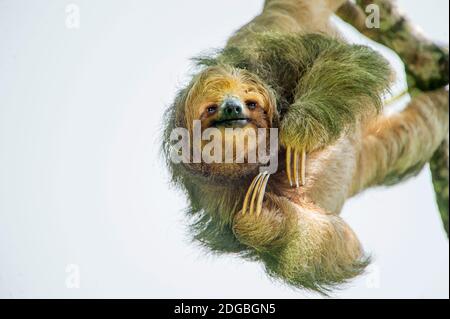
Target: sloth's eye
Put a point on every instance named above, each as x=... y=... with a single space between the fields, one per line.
x=251 y=105
x=211 y=109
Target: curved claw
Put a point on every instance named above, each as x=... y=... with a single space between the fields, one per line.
x=262 y=191
x=255 y=194
x=303 y=168
x=299 y=160
x=296 y=168
x=288 y=165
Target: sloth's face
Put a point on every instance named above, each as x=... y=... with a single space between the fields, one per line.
x=227 y=98
x=230 y=98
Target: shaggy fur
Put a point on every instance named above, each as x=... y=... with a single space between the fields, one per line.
x=324 y=96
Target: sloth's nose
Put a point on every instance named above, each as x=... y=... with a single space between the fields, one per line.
x=232 y=108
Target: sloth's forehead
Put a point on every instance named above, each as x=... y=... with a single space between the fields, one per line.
x=226 y=85
x=222 y=82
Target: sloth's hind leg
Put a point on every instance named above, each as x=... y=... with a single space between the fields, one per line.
x=398 y=146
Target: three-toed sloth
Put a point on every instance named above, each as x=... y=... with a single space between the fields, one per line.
x=289 y=69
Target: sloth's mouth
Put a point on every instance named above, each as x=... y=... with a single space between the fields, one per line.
x=241 y=122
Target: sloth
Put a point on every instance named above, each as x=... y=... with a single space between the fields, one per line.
x=289 y=69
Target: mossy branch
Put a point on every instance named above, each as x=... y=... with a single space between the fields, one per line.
x=426 y=63
x=439 y=170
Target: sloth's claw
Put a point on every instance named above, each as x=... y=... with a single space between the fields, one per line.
x=296 y=168
x=262 y=191
x=255 y=194
x=303 y=168
x=299 y=159
x=288 y=165
x=249 y=193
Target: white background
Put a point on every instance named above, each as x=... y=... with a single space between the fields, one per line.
x=81 y=180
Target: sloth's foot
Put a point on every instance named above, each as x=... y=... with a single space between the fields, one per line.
x=298 y=159
x=255 y=194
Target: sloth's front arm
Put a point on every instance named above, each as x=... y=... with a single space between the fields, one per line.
x=302 y=243
x=339 y=91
